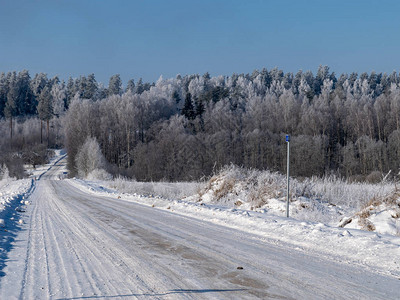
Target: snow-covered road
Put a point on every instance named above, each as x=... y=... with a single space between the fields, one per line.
x=76 y=245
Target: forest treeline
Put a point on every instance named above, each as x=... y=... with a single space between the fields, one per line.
x=186 y=127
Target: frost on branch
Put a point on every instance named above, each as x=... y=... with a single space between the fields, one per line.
x=89 y=157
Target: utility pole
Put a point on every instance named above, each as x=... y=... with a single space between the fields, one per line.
x=288 y=164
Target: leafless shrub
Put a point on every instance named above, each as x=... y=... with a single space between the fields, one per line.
x=391 y=198
x=364 y=214
x=226 y=187
x=374 y=177
x=238 y=203
x=14 y=164
x=366 y=224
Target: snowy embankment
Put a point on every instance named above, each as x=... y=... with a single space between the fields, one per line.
x=254 y=202
x=13 y=195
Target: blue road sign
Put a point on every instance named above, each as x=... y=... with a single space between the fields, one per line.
x=288 y=138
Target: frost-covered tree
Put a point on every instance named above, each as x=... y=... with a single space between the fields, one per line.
x=89 y=157
x=115 y=85
x=11 y=108
x=130 y=86
x=139 y=87
x=45 y=110
x=38 y=83
x=91 y=88
x=58 y=94
x=26 y=102
x=352 y=121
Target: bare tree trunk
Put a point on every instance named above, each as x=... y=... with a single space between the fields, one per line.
x=48 y=131
x=379 y=127
x=41 y=131
x=128 y=147
x=11 y=131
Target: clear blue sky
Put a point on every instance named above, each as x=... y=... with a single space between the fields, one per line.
x=150 y=38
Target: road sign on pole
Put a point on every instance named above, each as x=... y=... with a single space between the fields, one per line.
x=288 y=165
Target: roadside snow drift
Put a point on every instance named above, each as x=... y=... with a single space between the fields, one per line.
x=380 y=214
x=13 y=197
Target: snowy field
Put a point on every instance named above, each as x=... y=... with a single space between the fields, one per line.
x=220 y=239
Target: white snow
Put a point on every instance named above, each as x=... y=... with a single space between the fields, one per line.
x=13 y=192
x=76 y=238
x=372 y=250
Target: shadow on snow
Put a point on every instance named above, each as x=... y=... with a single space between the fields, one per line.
x=171 y=292
x=9 y=232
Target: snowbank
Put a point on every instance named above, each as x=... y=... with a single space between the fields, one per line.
x=380 y=214
x=13 y=197
x=167 y=190
x=325 y=201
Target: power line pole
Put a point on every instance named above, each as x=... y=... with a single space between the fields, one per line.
x=288 y=160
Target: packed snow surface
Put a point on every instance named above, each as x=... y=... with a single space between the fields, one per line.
x=84 y=240
x=371 y=250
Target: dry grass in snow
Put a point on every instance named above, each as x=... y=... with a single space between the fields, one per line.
x=374 y=207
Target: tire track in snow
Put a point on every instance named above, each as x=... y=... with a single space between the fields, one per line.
x=125 y=257
x=153 y=238
x=91 y=243
x=37 y=269
x=168 y=233
x=86 y=256
x=65 y=283
x=119 y=249
x=81 y=261
x=206 y=252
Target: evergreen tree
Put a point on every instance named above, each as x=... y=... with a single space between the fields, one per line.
x=38 y=83
x=130 y=86
x=3 y=93
x=199 y=107
x=188 y=108
x=115 y=85
x=91 y=89
x=322 y=74
x=139 y=87
x=27 y=102
x=81 y=82
x=176 y=97
x=70 y=92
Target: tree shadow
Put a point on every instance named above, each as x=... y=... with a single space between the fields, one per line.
x=170 y=292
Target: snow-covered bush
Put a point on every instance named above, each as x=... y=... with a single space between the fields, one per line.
x=381 y=214
x=89 y=157
x=341 y=192
x=236 y=186
x=169 y=190
x=325 y=200
x=99 y=174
